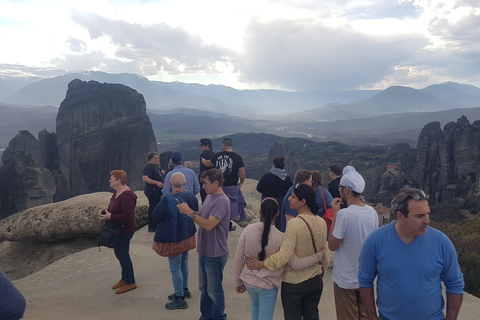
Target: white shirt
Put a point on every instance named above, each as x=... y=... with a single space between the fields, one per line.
x=352 y=226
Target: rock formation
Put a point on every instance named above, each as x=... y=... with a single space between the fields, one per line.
x=24 y=182
x=448 y=161
x=401 y=160
x=72 y=218
x=101 y=127
x=283 y=149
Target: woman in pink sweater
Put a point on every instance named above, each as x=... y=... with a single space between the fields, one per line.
x=262 y=240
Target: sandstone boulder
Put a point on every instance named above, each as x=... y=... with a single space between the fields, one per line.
x=72 y=218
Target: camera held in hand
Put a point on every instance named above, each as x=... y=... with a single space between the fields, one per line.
x=103 y=212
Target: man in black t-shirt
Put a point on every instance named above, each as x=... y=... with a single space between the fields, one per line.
x=152 y=176
x=207 y=153
x=335 y=172
x=232 y=167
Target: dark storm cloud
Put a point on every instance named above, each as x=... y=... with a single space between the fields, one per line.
x=153 y=47
x=307 y=55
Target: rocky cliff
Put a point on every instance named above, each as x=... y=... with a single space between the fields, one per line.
x=24 y=181
x=448 y=161
x=101 y=127
x=446 y=164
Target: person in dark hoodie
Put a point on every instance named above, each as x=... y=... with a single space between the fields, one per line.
x=121 y=212
x=275 y=184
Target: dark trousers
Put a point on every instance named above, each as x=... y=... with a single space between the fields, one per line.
x=122 y=252
x=153 y=200
x=302 y=299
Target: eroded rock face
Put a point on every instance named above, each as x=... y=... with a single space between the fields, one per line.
x=448 y=160
x=100 y=128
x=72 y=218
x=24 y=182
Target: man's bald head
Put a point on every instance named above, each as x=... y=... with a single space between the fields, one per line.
x=177 y=181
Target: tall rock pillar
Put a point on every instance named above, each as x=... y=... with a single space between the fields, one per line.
x=100 y=128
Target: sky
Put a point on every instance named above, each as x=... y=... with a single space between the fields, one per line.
x=294 y=45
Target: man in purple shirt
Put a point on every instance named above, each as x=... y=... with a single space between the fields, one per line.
x=212 y=248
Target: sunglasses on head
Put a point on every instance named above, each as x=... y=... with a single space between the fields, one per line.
x=406 y=196
x=415 y=195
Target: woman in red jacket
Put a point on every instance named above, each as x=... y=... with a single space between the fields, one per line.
x=121 y=212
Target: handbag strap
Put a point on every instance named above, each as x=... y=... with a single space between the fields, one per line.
x=324 y=203
x=311 y=233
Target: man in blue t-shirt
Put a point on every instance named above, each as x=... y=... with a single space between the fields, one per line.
x=410 y=260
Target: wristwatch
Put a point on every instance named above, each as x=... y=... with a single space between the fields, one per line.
x=192 y=215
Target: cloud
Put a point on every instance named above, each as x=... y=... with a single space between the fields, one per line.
x=455 y=29
x=155 y=48
x=378 y=9
x=287 y=44
x=77 y=45
x=308 y=55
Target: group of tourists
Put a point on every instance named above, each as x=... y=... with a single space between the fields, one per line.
x=288 y=250
x=408 y=259
x=172 y=214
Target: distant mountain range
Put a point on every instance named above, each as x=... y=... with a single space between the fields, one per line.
x=357 y=116
x=396 y=99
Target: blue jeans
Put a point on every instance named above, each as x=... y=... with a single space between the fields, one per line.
x=210 y=277
x=179 y=269
x=122 y=253
x=262 y=302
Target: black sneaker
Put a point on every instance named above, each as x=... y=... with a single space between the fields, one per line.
x=178 y=303
x=186 y=294
x=232 y=227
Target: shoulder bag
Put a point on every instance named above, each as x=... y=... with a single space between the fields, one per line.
x=171 y=249
x=311 y=235
x=110 y=235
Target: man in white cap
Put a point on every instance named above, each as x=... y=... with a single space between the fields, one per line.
x=350 y=227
